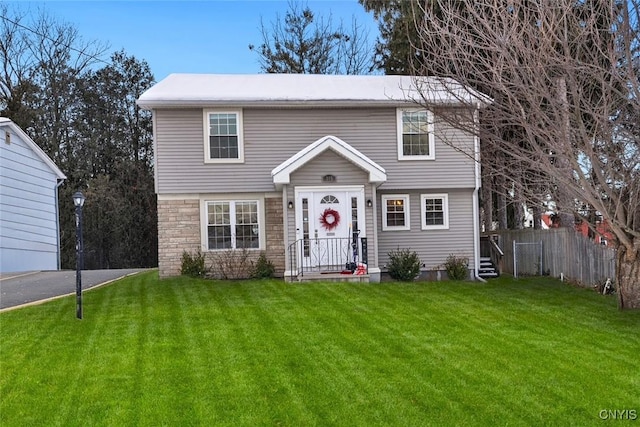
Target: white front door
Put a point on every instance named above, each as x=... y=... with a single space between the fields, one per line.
x=326 y=219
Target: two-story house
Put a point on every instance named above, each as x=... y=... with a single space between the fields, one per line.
x=318 y=171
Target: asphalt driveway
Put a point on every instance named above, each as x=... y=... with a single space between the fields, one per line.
x=25 y=288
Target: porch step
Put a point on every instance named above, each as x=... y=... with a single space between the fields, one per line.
x=333 y=277
x=487 y=269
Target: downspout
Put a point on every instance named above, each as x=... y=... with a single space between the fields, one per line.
x=476 y=208
x=476 y=237
x=57 y=201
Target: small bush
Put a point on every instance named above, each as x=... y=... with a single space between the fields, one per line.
x=193 y=264
x=263 y=268
x=404 y=265
x=457 y=267
x=232 y=264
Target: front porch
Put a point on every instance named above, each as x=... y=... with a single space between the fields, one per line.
x=329 y=259
x=329 y=190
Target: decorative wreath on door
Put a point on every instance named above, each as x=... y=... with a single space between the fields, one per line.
x=329 y=219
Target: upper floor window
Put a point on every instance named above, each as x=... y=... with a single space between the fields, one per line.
x=434 y=209
x=415 y=135
x=223 y=137
x=395 y=214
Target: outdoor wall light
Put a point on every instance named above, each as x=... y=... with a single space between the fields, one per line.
x=290 y=205
x=369 y=203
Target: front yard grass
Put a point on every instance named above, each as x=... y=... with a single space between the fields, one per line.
x=196 y=352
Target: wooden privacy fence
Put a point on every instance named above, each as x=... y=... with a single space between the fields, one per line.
x=564 y=252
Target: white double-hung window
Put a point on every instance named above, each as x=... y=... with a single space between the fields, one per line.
x=395 y=215
x=434 y=210
x=233 y=225
x=223 y=136
x=415 y=134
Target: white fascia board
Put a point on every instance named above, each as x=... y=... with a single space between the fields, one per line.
x=31 y=143
x=262 y=103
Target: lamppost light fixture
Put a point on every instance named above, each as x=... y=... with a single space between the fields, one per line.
x=78 y=199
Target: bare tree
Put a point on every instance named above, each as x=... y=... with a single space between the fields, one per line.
x=86 y=119
x=563 y=120
x=42 y=61
x=17 y=68
x=307 y=44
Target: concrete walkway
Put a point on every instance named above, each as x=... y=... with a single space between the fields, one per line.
x=17 y=290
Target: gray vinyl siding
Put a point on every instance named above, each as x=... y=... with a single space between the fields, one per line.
x=329 y=163
x=271 y=136
x=28 y=215
x=432 y=246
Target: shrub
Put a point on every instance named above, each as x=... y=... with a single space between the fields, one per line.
x=193 y=264
x=404 y=265
x=457 y=267
x=232 y=264
x=263 y=268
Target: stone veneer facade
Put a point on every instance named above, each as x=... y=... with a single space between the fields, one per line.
x=275 y=250
x=179 y=231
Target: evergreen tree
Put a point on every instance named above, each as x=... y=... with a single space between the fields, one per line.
x=306 y=44
x=395 y=50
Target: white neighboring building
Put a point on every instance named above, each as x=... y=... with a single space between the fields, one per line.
x=29 y=181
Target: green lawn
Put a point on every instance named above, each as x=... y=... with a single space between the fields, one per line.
x=196 y=352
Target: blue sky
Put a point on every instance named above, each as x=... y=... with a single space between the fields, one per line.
x=188 y=36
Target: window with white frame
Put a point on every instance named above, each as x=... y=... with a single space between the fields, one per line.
x=415 y=135
x=434 y=210
x=233 y=225
x=223 y=137
x=395 y=215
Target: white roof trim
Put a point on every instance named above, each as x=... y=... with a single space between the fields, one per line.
x=5 y=122
x=282 y=173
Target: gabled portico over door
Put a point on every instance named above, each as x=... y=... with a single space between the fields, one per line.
x=329 y=224
x=320 y=218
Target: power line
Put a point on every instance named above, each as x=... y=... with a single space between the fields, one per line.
x=45 y=36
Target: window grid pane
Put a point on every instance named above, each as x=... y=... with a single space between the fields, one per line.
x=247 y=237
x=329 y=199
x=247 y=229
x=223 y=135
x=395 y=213
x=415 y=133
x=305 y=227
x=220 y=237
x=434 y=212
x=223 y=124
x=354 y=213
x=223 y=147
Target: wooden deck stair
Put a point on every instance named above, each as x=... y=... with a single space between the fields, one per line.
x=487 y=269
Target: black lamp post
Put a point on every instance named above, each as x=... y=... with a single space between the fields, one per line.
x=78 y=201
